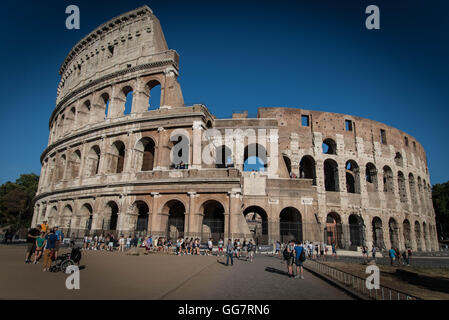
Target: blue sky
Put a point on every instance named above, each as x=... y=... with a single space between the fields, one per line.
x=237 y=55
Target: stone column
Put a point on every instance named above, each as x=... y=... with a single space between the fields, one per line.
x=273 y=164
x=103 y=156
x=190 y=217
x=234 y=211
x=141 y=98
x=153 y=212
x=197 y=130
x=160 y=149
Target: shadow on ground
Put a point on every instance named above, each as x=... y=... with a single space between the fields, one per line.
x=274 y=270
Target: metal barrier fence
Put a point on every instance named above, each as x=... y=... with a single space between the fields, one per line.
x=358 y=284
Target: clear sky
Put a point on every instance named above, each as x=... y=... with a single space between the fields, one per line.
x=237 y=55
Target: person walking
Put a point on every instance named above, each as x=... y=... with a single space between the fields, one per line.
x=392 y=254
x=373 y=252
x=210 y=247
x=250 y=248
x=409 y=255
x=31 y=243
x=220 y=247
x=49 y=251
x=300 y=257
x=278 y=249
x=289 y=257
x=229 y=252
x=322 y=247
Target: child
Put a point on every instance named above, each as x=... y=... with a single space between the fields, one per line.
x=40 y=244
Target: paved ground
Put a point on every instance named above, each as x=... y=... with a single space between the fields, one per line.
x=159 y=276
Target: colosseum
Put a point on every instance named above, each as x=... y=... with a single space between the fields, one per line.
x=285 y=173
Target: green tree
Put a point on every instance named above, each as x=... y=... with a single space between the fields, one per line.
x=16 y=201
x=440 y=196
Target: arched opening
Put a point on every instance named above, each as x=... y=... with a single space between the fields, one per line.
x=331 y=175
x=213 y=221
x=86 y=212
x=407 y=234
x=356 y=231
x=223 y=157
x=128 y=95
x=154 y=92
x=398 y=159
x=333 y=233
x=257 y=220
x=180 y=151
x=52 y=216
x=352 y=177
x=142 y=211
x=104 y=100
x=426 y=236
x=83 y=114
x=70 y=120
x=371 y=177
x=176 y=219
x=255 y=158
x=290 y=225
x=111 y=216
x=418 y=236
x=145 y=154
x=388 y=179
x=329 y=146
x=378 y=234
x=75 y=163
x=401 y=187
x=288 y=165
x=117 y=157
x=394 y=233
x=307 y=169
x=93 y=161
x=420 y=192
x=66 y=217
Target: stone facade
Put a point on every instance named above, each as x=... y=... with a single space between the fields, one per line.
x=332 y=177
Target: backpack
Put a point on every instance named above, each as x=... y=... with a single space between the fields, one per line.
x=302 y=256
x=286 y=254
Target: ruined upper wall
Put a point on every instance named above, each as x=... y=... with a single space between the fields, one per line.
x=131 y=39
x=330 y=124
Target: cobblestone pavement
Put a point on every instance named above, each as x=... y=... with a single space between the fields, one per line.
x=159 y=276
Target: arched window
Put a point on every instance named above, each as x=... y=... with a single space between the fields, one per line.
x=60 y=168
x=141 y=208
x=117 y=159
x=111 y=216
x=401 y=186
x=352 y=177
x=180 y=152
x=331 y=181
x=75 y=162
x=128 y=94
x=329 y=146
x=334 y=231
x=378 y=235
x=83 y=114
x=398 y=159
x=307 y=169
x=105 y=103
x=412 y=186
x=145 y=154
x=394 y=233
x=175 y=210
x=255 y=158
x=388 y=179
x=288 y=165
x=371 y=177
x=154 y=93
x=223 y=157
x=92 y=161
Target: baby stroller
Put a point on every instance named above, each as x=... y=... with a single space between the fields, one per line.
x=66 y=259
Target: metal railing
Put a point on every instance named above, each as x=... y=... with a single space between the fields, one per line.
x=358 y=284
